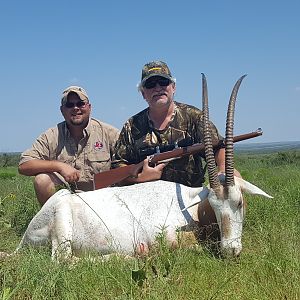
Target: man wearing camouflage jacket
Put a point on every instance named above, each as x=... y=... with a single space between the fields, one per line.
x=162 y=126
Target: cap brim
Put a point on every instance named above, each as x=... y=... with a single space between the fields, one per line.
x=81 y=95
x=156 y=75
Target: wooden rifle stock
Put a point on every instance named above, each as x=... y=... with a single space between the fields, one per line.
x=113 y=176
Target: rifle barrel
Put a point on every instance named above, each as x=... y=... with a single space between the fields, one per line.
x=197 y=148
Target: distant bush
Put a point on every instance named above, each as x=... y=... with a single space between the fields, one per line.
x=278 y=159
x=284 y=158
x=289 y=157
x=9 y=159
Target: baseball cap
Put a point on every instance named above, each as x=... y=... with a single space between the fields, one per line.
x=82 y=94
x=156 y=68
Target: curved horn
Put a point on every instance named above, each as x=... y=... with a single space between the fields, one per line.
x=229 y=162
x=209 y=154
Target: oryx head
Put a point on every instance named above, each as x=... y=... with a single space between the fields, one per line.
x=225 y=196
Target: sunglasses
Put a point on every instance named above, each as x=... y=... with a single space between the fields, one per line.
x=150 y=84
x=79 y=104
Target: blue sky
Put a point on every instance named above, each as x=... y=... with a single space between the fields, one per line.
x=102 y=46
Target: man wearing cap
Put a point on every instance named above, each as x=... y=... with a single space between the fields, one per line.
x=73 y=151
x=162 y=126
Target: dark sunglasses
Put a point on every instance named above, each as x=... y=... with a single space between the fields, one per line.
x=79 y=104
x=150 y=84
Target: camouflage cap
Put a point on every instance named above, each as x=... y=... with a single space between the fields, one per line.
x=82 y=94
x=155 y=68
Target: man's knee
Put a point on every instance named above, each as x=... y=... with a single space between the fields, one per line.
x=43 y=180
x=45 y=186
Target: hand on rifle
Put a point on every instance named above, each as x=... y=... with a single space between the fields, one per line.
x=148 y=173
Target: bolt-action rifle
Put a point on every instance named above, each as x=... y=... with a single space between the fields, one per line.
x=113 y=176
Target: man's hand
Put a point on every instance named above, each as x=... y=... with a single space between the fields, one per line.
x=150 y=173
x=69 y=173
x=38 y=166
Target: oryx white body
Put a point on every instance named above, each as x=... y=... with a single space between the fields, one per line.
x=119 y=219
x=114 y=219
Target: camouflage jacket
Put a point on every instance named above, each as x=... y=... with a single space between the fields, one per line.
x=139 y=138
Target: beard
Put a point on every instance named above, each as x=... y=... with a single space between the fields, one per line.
x=79 y=122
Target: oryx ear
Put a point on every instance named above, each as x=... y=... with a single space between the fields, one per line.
x=199 y=191
x=250 y=188
x=202 y=192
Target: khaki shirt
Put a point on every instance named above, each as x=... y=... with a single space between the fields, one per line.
x=91 y=155
x=139 y=139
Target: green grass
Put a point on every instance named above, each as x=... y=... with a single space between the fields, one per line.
x=269 y=267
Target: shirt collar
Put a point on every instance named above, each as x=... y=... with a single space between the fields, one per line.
x=150 y=123
x=86 y=131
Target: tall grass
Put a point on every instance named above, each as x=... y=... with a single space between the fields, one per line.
x=269 y=267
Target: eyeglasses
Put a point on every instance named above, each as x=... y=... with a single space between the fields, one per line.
x=79 y=104
x=150 y=84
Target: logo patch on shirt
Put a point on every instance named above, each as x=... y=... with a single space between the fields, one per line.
x=98 y=145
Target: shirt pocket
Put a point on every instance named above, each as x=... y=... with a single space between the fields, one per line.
x=99 y=161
